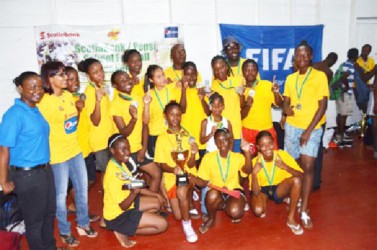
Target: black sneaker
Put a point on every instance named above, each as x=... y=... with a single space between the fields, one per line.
x=343 y=144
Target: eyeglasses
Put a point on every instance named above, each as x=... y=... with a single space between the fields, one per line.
x=62 y=74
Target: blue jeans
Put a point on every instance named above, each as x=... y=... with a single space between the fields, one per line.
x=203 y=200
x=74 y=169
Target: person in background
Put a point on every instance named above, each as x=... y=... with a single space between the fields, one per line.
x=365 y=61
x=232 y=50
x=58 y=108
x=344 y=105
x=305 y=103
x=128 y=212
x=132 y=59
x=178 y=56
x=24 y=162
x=325 y=67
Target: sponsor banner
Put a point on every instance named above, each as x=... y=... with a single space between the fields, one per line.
x=70 y=125
x=273 y=46
x=71 y=44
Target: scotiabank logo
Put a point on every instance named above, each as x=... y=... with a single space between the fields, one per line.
x=43 y=35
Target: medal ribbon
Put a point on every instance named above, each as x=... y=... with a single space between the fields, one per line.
x=270 y=180
x=159 y=100
x=220 y=124
x=221 y=168
x=299 y=92
x=120 y=167
x=125 y=97
x=224 y=87
x=176 y=73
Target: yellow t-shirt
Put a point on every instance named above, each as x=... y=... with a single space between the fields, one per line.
x=61 y=114
x=83 y=131
x=138 y=89
x=113 y=193
x=191 y=120
x=176 y=75
x=232 y=110
x=120 y=107
x=159 y=100
x=98 y=135
x=367 y=66
x=237 y=70
x=280 y=174
x=209 y=169
x=166 y=143
x=314 y=90
x=260 y=115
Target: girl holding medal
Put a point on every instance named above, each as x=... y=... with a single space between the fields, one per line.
x=97 y=105
x=305 y=101
x=168 y=142
x=128 y=212
x=230 y=87
x=127 y=110
x=161 y=94
x=275 y=175
x=221 y=168
x=260 y=95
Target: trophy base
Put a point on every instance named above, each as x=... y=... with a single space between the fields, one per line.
x=182 y=180
x=134 y=185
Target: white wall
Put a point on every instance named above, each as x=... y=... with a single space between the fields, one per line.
x=199 y=17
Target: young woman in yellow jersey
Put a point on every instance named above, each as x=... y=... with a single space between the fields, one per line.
x=98 y=109
x=73 y=86
x=221 y=168
x=132 y=59
x=161 y=94
x=127 y=110
x=59 y=109
x=259 y=96
x=231 y=89
x=275 y=175
x=167 y=143
x=128 y=212
x=305 y=101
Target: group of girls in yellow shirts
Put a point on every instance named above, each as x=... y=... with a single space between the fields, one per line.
x=137 y=132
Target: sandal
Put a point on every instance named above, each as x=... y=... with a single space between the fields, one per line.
x=70 y=240
x=235 y=221
x=296 y=230
x=86 y=231
x=306 y=221
x=93 y=217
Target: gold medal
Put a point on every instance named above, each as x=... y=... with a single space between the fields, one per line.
x=298 y=106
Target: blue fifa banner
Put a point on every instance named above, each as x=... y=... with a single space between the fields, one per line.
x=273 y=46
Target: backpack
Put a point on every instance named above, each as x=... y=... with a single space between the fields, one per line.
x=336 y=88
x=10 y=212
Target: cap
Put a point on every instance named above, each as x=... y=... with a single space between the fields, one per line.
x=230 y=39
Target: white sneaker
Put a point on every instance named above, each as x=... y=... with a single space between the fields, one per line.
x=190 y=233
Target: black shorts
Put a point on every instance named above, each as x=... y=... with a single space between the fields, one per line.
x=128 y=221
x=151 y=146
x=226 y=196
x=272 y=189
x=133 y=164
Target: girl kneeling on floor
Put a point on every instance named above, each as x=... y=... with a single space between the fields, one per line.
x=275 y=175
x=221 y=168
x=128 y=212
